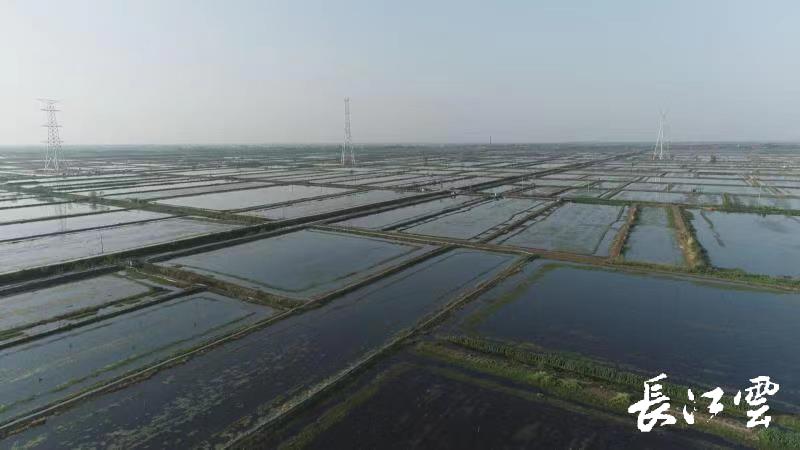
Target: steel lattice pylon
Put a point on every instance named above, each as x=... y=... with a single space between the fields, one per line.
x=348 y=155
x=53 y=159
x=658 y=149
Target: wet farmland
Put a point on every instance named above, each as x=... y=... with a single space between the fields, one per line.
x=452 y=296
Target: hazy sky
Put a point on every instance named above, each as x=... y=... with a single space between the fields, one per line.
x=417 y=71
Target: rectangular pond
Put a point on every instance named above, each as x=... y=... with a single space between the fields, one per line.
x=28 y=308
x=572 y=227
x=30 y=253
x=165 y=193
x=394 y=217
x=150 y=187
x=27 y=201
x=41 y=372
x=45 y=211
x=670 y=197
x=193 y=404
x=326 y=205
x=711 y=333
x=788 y=203
x=653 y=239
x=249 y=198
x=475 y=221
x=762 y=244
x=67 y=224
x=434 y=405
x=303 y=264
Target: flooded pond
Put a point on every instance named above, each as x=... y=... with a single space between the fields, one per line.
x=45 y=211
x=392 y=218
x=249 y=198
x=326 y=205
x=29 y=253
x=670 y=197
x=41 y=227
x=751 y=242
x=766 y=201
x=714 y=334
x=572 y=227
x=653 y=239
x=38 y=373
x=19 y=202
x=416 y=407
x=191 y=404
x=165 y=193
x=150 y=187
x=303 y=264
x=473 y=221
x=27 y=308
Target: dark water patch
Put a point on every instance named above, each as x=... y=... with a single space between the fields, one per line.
x=709 y=333
x=424 y=407
x=46 y=370
x=192 y=404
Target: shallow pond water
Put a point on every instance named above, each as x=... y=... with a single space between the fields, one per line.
x=20 y=202
x=45 y=211
x=766 y=201
x=249 y=198
x=455 y=408
x=301 y=264
x=166 y=193
x=26 y=308
x=388 y=219
x=754 y=243
x=36 y=252
x=66 y=224
x=35 y=374
x=670 y=197
x=191 y=404
x=471 y=222
x=653 y=240
x=716 y=334
x=326 y=205
x=572 y=227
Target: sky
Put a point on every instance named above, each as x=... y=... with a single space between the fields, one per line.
x=248 y=72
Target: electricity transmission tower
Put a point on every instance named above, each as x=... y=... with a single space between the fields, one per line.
x=347 y=145
x=53 y=158
x=658 y=149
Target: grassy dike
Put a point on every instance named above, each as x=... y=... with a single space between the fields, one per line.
x=609 y=389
